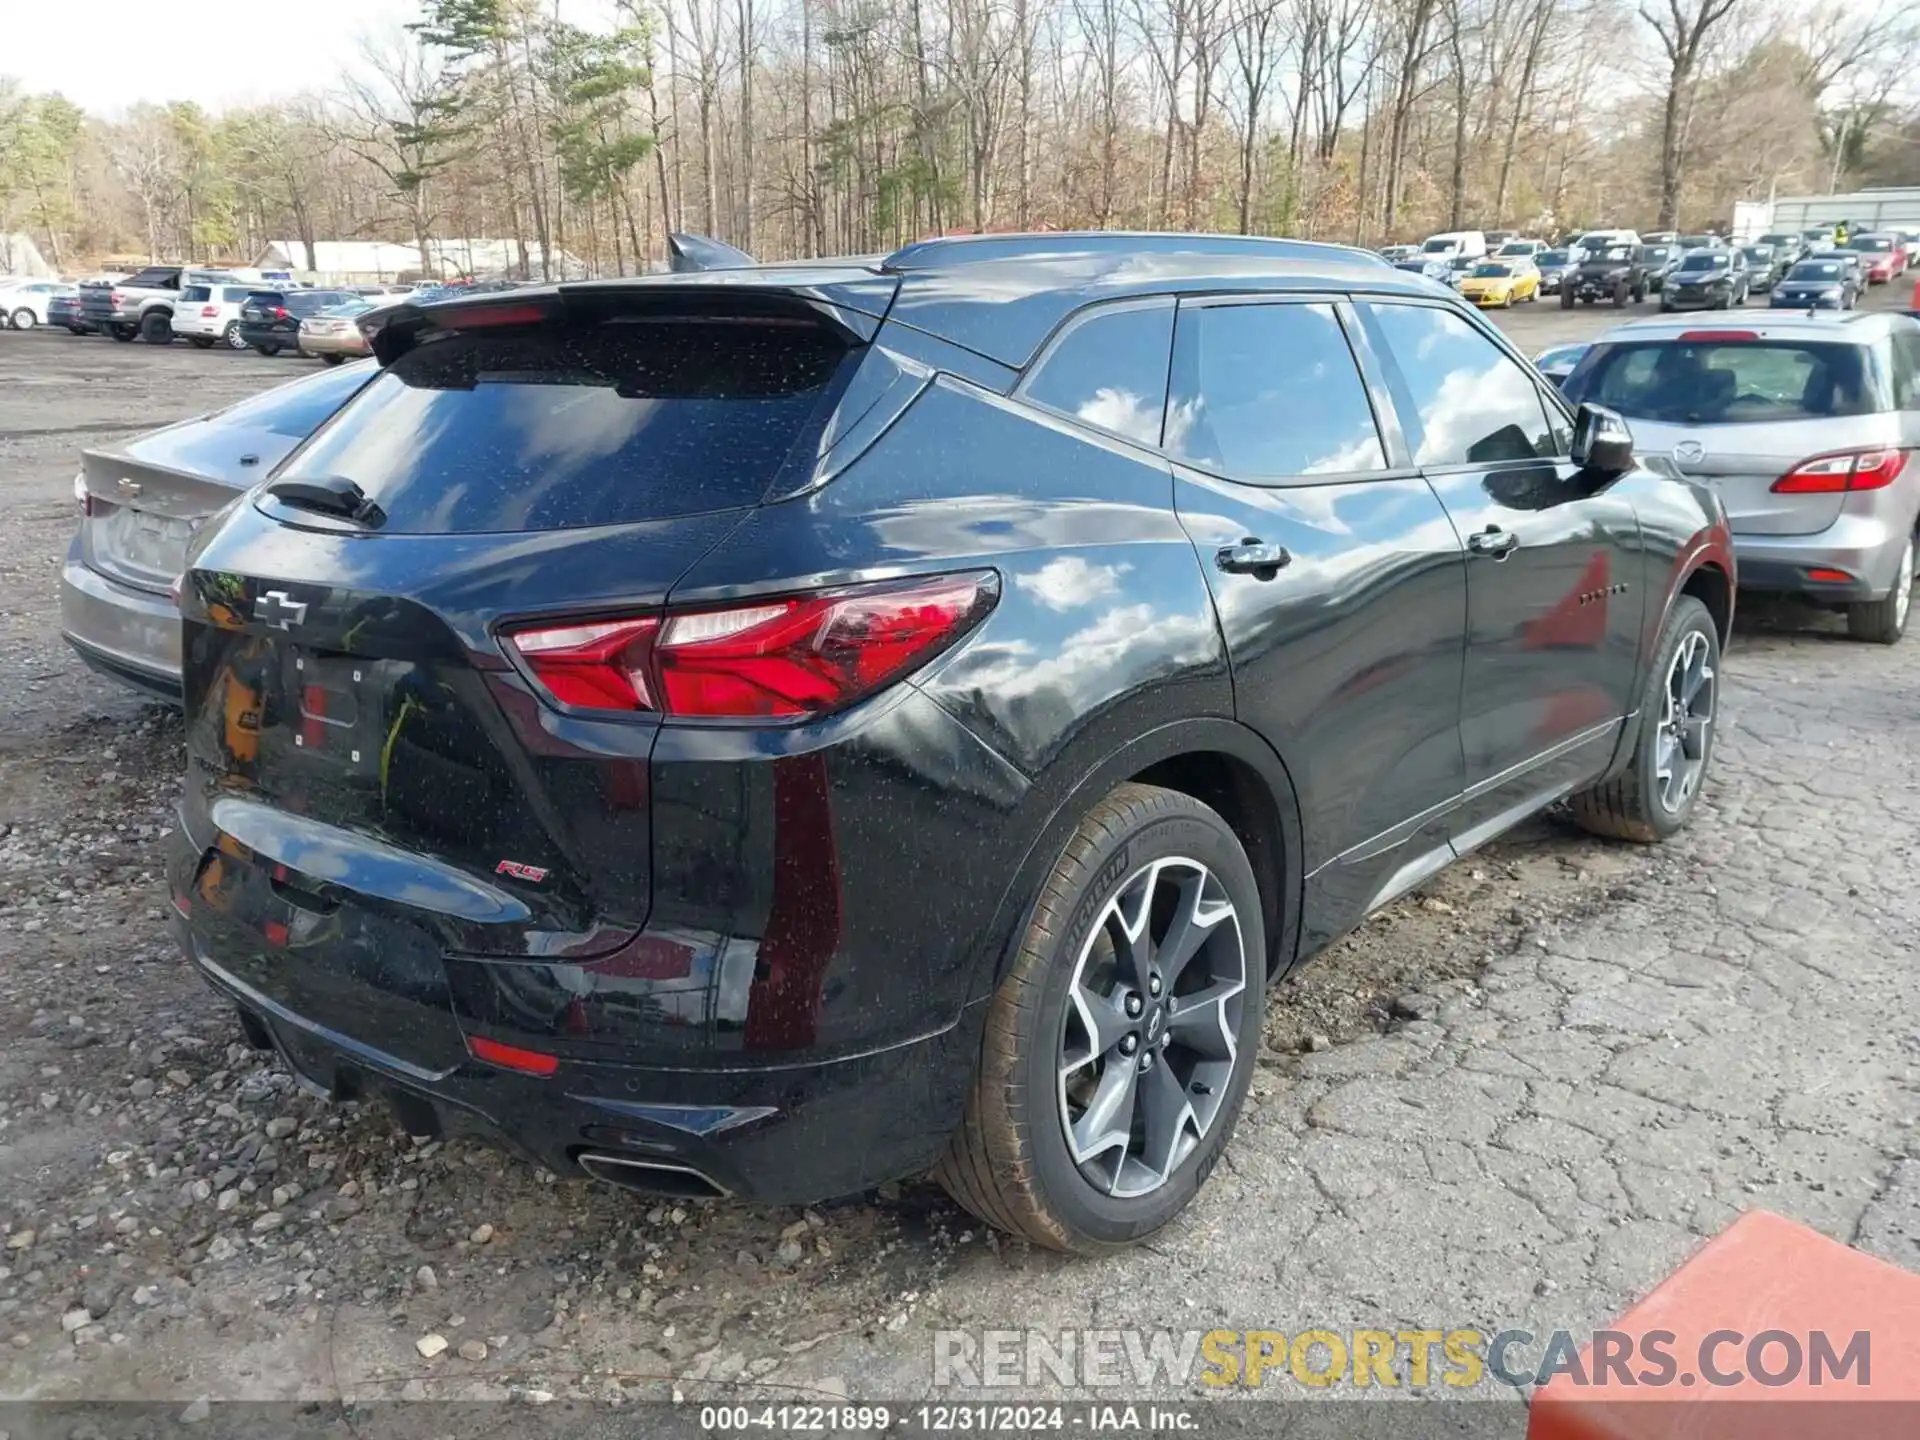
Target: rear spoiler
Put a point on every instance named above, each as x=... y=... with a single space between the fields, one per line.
x=854 y=307
x=701 y=252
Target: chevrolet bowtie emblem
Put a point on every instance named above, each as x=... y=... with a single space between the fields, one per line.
x=279 y=611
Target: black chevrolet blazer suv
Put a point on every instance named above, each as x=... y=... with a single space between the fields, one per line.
x=766 y=731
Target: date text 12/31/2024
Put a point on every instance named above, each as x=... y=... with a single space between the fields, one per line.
x=954 y=1419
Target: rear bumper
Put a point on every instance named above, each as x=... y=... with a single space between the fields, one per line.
x=128 y=634
x=1866 y=547
x=788 y=1135
x=352 y=345
x=258 y=335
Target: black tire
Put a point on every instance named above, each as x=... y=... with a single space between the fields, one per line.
x=1009 y=1162
x=122 y=333
x=1629 y=806
x=1566 y=299
x=76 y=329
x=156 y=328
x=230 y=337
x=1884 y=621
x=269 y=349
x=1619 y=297
x=332 y=359
x=200 y=342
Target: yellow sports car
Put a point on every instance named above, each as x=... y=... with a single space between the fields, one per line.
x=1501 y=282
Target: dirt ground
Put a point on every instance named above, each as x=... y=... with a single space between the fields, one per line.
x=178 y=1220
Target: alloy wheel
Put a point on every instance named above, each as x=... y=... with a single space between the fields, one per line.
x=1150 y=1037
x=1686 y=722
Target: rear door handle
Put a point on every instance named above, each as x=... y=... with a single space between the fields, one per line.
x=1493 y=541
x=1253 y=557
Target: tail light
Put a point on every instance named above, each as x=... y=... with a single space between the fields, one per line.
x=791 y=658
x=116 y=299
x=207 y=312
x=279 y=312
x=1843 y=472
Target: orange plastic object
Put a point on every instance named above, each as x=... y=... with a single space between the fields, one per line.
x=1762 y=1273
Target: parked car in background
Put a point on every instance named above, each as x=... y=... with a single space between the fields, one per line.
x=142 y=304
x=1615 y=271
x=1456 y=244
x=1885 y=258
x=1804 y=426
x=206 y=315
x=1433 y=267
x=1394 y=254
x=1553 y=266
x=1707 y=279
x=333 y=333
x=1657 y=260
x=1659 y=237
x=270 y=319
x=622 y=774
x=1458 y=268
x=1854 y=260
x=28 y=305
x=1557 y=362
x=1765 y=266
x=1788 y=243
x=1520 y=249
x=1593 y=242
x=1706 y=240
x=64 y=311
x=1504 y=283
x=1819 y=237
x=141 y=501
x=1816 y=285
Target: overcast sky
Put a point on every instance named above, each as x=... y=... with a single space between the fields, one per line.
x=108 y=54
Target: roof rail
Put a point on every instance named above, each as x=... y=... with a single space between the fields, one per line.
x=975 y=249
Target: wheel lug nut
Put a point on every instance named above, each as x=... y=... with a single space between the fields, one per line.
x=1129 y=1043
x=1153 y=984
x=1134 y=1004
x=1146 y=1061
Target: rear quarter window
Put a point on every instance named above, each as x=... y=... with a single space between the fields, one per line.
x=1731 y=382
x=1109 y=370
x=556 y=428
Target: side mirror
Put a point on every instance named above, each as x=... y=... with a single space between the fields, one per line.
x=1602 y=441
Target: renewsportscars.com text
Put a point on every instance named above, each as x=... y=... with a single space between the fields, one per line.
x=1457 y=1359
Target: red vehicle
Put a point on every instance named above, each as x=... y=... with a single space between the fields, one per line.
x=1885 y=255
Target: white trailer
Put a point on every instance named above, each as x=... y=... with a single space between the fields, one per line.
x=1888 y=208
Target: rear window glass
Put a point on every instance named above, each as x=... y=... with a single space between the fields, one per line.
x=234 y=294
x=306 y=302
x=302 y=406
x=1727 y=383
x=549 y=429
x=1811 y=270
x=196 y=292
x=1714 y=260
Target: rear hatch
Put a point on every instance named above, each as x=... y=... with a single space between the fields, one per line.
x=145 y=498
x=351 y=709
x=1740 y=408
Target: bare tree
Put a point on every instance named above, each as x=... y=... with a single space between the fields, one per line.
x=1684 y=28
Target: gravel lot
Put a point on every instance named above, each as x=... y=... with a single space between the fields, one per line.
x=1516 y=1098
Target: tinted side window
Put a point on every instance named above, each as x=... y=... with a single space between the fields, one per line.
x=1471 y=403
x=1110 y=370
x=1268 y=391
